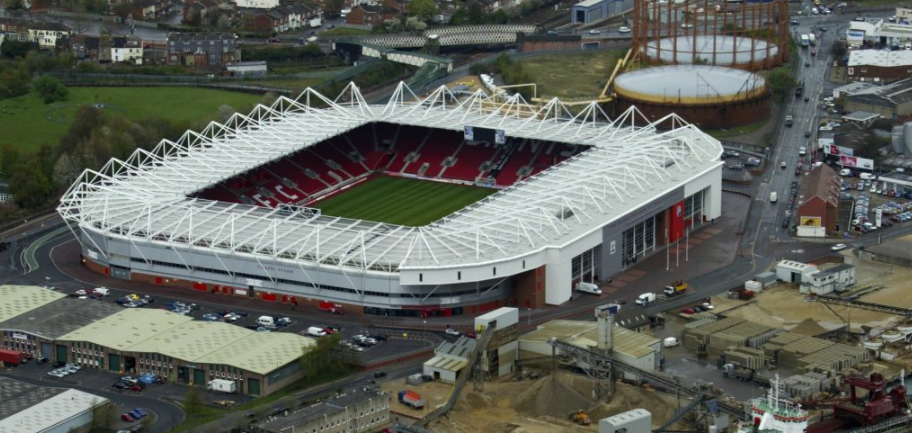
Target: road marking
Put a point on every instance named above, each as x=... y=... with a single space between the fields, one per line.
x=31 y=262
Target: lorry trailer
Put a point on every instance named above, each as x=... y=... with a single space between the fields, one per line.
x=222 y=385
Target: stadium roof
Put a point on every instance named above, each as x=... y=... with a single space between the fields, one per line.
x=628 y=167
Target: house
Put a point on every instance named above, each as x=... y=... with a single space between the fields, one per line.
x=47 y=33
x=250 y=68
x=830 y=278
x=127 y=50
x=590 y=11
x=14 y=29
x=151 y=9
x=195 y=12
x=879 y=65
x=84 y=47
x=819 y=200
x=202 y=49
x=262 y=21
x=367 y=15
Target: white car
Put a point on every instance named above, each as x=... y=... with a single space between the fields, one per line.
x=594 y=32
x=802 y=151
x=687 y=25
x=452 y=332
x=708 y=306
x=838 y=247
x=783 y=165
x=624 y=29
x=80 y=292
x=102 y=291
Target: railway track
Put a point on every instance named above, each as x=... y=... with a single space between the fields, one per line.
x=32 y=223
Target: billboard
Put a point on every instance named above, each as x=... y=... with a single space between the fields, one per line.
x=832 y=149
x=810 y=221
x=878 y=217
x=856 y=162
x=487 y=135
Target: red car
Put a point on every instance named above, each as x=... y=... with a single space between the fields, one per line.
x=136 y=388
x=126 y=417
x=687 y=311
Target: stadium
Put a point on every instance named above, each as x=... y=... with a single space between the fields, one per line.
x=424 y=206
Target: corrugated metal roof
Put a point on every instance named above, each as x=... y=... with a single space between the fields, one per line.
x=585 y=334
x=180 y=337
x=447 y=363
x=880 y=58
x=16 y=300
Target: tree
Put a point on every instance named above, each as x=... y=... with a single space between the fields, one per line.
x=14 y=81
x=475 y=13
x=124 y=9
x=425 y=10
x=319 y=357
x=223 y=22
x=839 y=49
x=225 y=112
x=50 y=89
x=193 y=401
x=414 y=24
x=14 y=5
x=333 y=7
x=102 y=416
x=781 y=82
x=29 y=185
x=9 y=158
x=16 y=49
x=66 y=170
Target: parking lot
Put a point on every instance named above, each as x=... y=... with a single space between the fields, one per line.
x=866 y=197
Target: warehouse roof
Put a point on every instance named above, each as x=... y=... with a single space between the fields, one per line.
x=585 y=334
x=307 y=415
x=178 y=336
x=447 y=363
x=60 y=317
x=29 y=408
x=16 y=300
x=880 y=58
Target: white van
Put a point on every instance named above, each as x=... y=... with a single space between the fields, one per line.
x=866 y=176
x=845 y=172
x=266 y=321
x=671 y=342
x=588 y=288
x=316 y=331
x=774 y=197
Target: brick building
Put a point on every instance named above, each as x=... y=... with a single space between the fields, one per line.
x=879 y=65
x=816 y=215
x=202 y=49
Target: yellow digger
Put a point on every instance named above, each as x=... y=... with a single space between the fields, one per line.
x=580 y=417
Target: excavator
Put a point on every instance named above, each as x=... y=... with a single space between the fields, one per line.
x=580 y=417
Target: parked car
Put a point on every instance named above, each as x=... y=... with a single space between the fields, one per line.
x=121 y=385
x=379 y=374
x=624 y=29
x=838 y=247
x=126 y=417
x=452 y=332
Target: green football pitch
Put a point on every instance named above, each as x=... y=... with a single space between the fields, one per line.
x=401 y=201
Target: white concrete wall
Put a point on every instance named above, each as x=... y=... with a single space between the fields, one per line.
x=811 y=231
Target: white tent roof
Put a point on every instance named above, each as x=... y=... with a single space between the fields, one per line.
x=146 y=196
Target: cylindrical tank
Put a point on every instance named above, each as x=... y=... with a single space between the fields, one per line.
x=707 y=96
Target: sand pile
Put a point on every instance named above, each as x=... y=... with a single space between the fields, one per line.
x=550 y=396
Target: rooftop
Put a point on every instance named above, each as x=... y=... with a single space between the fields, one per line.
x=60 y=317
x=880 y=58
x=308 y=414
x=861 y=116
x=690 y=84
x=823 y=183
x=585 y=334
x=178 y=336
x=627 y=167
x=33 y=409
x=17 y=300
x=900 y=176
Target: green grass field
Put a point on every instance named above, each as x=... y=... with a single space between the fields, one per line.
x=26 y=122
x=572 y=76
x=402 y=201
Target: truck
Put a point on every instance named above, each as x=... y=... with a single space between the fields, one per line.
x=805 y=40
x=733 y=371
x=812 y=39
x=222 y=385
x=13 y=357
x=588 y=288
x=646 y=299
x=789 y=120
x=676 y=288
x=316 y=331
x=411 y=399
x=316 y=22
x=335 y=309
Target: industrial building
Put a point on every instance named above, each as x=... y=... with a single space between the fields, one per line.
x=816 y=213
x=818 y=280
x=718 y=336
x=891 y=101
x=590 y=11
x=629 y=347
x=803 y=354
x=502 y=350
x=195 y=219
x=634 y=421
x=102 y=335
x=881 y=66
x=352 y=411
x=880 y=32
x=709 y=97
x=896 y=251
x=28 y=408
x=688 y=32
x=450 y=359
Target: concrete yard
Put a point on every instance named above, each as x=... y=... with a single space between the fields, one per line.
x=894 y=279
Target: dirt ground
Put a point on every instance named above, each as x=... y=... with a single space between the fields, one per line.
x=782 y=306
x=542 y=405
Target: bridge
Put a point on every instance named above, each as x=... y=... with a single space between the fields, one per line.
x=449 y=36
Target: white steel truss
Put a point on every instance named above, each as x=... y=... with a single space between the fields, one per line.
x=630 y=161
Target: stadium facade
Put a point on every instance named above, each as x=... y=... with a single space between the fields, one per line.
x=618 y=193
